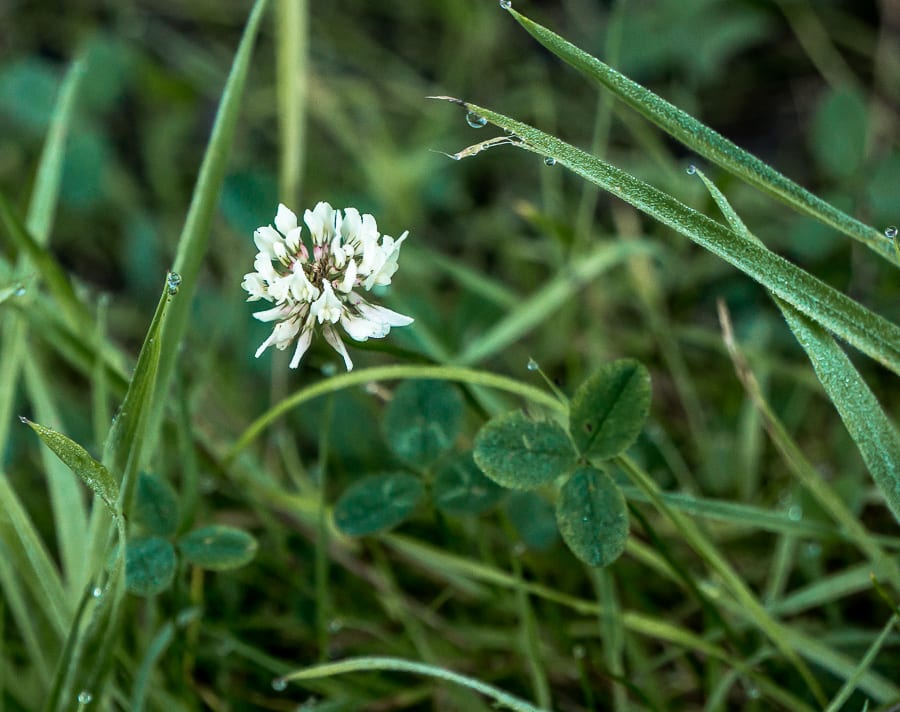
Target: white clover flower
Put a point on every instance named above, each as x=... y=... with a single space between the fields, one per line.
x=318 y=290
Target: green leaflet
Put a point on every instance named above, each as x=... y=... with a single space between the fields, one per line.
x=218 y=547
x=705 y=141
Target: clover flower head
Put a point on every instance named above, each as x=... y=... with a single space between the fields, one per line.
x=315 y=289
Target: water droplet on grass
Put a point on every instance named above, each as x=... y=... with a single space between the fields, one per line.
x=475 y=121
x=20 y=292
x=691 y=169
x=578 y=652
x=549 y=161
x=173 y=282
x=506 y=4
x=532 y=365
x=84 y=697
x=279 y=684
x=795 y=513
x=335 y=625
x=891 y=231
x=97 y=592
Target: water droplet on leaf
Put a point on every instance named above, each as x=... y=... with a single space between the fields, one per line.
x=335 y=625
x=578 y=652
x=97 y=592
x=532 y=365
x=549 y=161
x=506 y=4
x=84 y=697
x=475 y=121
x=279 y=684
x=795 y=513
x=20 y=292
x=691 y=169
x=891 y=231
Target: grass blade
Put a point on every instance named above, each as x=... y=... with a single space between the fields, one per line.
x=530 y=312
x=870 y=333
x=194 y=235
x=869 y=426
x=501 y=699
x=706 y=142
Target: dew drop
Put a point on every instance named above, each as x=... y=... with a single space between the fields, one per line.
x=97 y=592
x=519 y=549
x=309 y=704
x=173 y=282
x=84 y=697
x=795 y=513
x=532 y=365
x=578 y=652
x=691 y=169
x=549 y=161
x=753 y=692
x=506 y=4
x=475 y=121
x=279 y=684
x=20 y=292
x=335 y=625
x=813 y=550
x=891 y=231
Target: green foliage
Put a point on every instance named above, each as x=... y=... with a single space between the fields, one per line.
x=218 y=547
x=534 y=520
x=839 y=132
x=155 y=505
x=608 y=410
x=460 y=488
x=377 y=503
x=85 y=467
x=758 y=528
x=149 y=566
x=422 y=421
x=519 y=451
x=592 y=516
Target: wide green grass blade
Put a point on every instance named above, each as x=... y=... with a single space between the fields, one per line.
x=530 y=312
x=869 y=426
x=702 y=139
x=197 y=226
x=885 y=565
x=870 y=333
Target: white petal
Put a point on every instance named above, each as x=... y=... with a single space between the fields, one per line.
x=359 y=328
x=285 y=219
x=327 y=307
x=332 y=337
x=265 y=238
x=272 y=314
x=256 y=287
x=293 y=241
x=320 y=221
x=349 y=279
x=383 y=315
x=302 y=345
